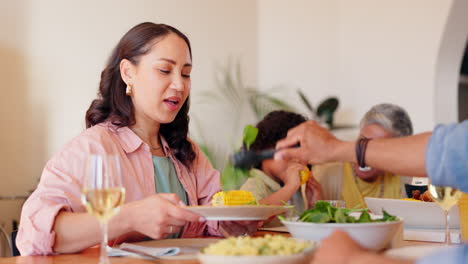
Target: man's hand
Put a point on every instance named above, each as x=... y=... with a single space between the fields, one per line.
x=316 y=144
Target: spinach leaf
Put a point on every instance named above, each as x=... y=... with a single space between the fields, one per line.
x=332 y=213
x=364 y=218
x=388 y=217
x=316 y=217
x=322 y=206
x=281 y=218
x=305 y=215
x=341 y=216
x=350 y=219
x=250 y=134
x=323 y=212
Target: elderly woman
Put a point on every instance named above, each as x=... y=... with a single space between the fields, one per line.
x=351 y=183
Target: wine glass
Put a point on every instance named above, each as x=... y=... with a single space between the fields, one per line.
x=103 y=193
x=446 y=197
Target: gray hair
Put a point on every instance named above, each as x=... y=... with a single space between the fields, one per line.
x=391 y=117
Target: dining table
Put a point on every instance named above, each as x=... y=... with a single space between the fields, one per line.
x=91 y=255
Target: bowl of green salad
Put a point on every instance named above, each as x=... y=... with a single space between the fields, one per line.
x=371 y=231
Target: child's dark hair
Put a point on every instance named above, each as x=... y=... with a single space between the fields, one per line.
x=273 y=127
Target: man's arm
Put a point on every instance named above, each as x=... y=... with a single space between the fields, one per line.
x=317 y=145
x=404 y=156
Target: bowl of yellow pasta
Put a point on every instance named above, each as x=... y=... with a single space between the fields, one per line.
x=269 y=249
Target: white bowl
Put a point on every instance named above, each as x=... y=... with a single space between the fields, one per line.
x=375 y=236
x=301 y=258
x=416 y=214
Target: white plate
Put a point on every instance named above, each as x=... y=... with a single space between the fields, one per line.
x=239 y=212
x=416 y=214
x=414 y=252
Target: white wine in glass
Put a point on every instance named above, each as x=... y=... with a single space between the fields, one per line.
x=105 y=203
x=103 y=193
x=446 y=198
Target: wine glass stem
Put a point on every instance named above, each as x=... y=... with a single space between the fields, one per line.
x=448 y=239
x=103 y=259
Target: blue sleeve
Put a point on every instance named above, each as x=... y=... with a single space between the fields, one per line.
x=447 y=156
x=453 y=255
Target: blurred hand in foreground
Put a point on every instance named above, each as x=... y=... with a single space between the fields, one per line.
x=340 y=248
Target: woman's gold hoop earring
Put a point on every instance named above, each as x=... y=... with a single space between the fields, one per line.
x=128 y=91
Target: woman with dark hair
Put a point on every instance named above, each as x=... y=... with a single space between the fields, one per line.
x=140 y=115
x=275 y=182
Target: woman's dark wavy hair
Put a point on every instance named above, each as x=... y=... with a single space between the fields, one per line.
x=273 y=127
x=115 y=106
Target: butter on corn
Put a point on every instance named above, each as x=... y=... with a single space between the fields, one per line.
x=305 y=175
x=236 y=197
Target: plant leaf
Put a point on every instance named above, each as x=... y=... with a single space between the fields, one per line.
x=250 y=134
x=306 y=101
x=232 y=178
x=206 y=150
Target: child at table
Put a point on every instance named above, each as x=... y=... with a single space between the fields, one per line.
x=276 y=182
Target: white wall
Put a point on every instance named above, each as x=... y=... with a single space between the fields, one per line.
x=364 y=51
x=297 y=47
x=52 y=53
x=20 y=135
x=451 y=50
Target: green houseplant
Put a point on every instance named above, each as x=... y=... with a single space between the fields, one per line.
x=243 y=104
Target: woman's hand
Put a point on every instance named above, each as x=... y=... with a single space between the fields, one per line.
x=158 y=215
x=317 y=144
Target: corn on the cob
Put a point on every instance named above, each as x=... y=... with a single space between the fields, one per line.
x=305 y=174
x=236 y=197
x=411 y=199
